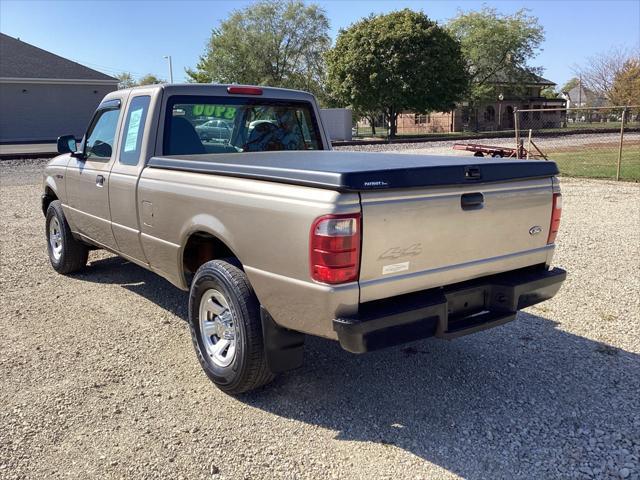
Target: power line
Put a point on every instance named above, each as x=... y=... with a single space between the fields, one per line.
x=107 y=69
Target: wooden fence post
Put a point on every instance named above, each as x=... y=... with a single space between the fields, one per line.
x=624 y=115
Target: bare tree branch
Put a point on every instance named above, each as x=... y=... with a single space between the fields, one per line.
x=600 y=71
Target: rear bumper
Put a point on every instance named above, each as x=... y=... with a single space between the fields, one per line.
x=447 y=312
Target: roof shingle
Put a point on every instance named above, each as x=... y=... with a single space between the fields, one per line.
x=22 y=60
x=524 y=76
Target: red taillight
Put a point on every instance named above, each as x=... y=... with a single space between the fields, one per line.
x=335 y=248
x=245 y=90
x=556 y=212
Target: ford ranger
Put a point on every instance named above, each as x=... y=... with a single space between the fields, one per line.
x=276 y=236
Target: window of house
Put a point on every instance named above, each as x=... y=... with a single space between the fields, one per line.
x=421 y=118
x=465 y=115
x=490 y=114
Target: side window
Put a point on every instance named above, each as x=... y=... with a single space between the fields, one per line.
x=133 y=130
x=99 y=144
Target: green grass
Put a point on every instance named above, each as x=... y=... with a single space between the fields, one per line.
x=598 y=162
x=604 y=125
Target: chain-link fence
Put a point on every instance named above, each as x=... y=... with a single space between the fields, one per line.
x=584 y=142
x=370 y=128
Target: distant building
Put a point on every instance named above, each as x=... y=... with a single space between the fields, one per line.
x=337 y=122
x=43 y=96
x=496 y=115
x=580 y=96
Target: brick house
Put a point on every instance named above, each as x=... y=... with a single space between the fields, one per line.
x=496 y=115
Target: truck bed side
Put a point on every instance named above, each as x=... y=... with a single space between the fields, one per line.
x=265 y=224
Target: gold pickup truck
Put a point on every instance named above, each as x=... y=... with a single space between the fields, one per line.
x=233 y=193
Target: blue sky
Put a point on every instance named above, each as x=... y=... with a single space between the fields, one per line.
x=115 y=36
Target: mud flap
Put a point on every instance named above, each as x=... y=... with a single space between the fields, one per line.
x=283 y=347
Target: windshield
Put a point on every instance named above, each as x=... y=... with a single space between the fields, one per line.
x=198 y=125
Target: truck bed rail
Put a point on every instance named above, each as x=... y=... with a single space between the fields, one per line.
x=357 y=171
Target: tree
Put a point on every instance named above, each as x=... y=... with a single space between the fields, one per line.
x=549 y=92
x=125 y=80
x=276 y=43
x=572 y=83
x=600 y=72
x=395 y=62
x=626 y=84
x=372 y=116
x=498 y=49
x=583 y=97
x=150 y=79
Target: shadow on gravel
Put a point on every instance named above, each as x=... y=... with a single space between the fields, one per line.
x=116 y=270
x=525 y=400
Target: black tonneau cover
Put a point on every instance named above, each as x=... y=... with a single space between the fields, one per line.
x=357 y=171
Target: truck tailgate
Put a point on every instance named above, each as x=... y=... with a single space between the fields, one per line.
x=414 y=239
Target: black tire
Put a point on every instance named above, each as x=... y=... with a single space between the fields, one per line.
x=248 y=370
x=73 y=254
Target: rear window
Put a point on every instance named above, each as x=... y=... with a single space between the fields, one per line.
x=197 y=125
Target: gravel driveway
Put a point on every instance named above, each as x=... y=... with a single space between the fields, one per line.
x=98 y=378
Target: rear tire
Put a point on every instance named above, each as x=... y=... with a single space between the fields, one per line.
x=226 y=328
x=66 y=254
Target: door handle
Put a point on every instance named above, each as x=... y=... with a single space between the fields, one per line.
x=99 y=181
x=472 y=201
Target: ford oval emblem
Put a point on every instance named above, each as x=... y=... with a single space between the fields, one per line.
x=536 y=229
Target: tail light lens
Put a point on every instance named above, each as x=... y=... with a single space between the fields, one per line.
x=244 y=90
x=556 y=212
x=335 y=248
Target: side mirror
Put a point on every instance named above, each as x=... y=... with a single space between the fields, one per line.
x=101 y=149
x=67 y=144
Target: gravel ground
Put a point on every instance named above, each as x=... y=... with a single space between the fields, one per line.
x=98 y=378
x=548 y=143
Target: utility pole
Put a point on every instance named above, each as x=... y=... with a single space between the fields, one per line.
x=580 y=91
x=168 y=57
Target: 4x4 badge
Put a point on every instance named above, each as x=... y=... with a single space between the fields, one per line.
x=399 y=252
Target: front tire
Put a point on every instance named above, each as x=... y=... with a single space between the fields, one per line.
x=66 y=254
x=226 y=328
